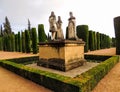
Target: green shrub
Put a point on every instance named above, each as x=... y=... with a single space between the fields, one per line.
x=59 y=83
x=91 y=40
x=16 y=42
x=19 y=42
x=34 y=41
x=23 y=42
x=41 y=33
x=97 y=57
x=1 y=43
x=83 y=33
x=95 y=40
x=117 y=34
x=98 y=40
x=90 y=78
x=27 y=41
x=113 y=42
x=12 y=42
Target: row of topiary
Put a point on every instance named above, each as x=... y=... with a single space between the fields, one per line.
x=94 y=40
x=23 y=42
x=81 y=83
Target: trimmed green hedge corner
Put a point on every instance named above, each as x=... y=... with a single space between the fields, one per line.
x=81 y=83
x=91 y=78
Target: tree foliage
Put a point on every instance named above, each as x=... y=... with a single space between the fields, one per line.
x=34 y=40
x=41 y=33
x=27 y=41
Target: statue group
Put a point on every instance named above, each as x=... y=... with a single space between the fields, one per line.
x=56 y=27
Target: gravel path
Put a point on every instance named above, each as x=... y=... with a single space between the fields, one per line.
x=9 y=55
x=111 y=82
x=110 y=51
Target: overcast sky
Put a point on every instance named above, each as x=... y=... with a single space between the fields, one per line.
x=97 y=14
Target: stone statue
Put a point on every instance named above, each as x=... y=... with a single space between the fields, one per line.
x=53 y=25
x=72 y=28
x=59 y=29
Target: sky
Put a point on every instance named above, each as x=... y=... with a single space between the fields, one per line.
x=97 y=14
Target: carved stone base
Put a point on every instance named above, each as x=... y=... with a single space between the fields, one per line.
x=61 y=55
x=59 y=64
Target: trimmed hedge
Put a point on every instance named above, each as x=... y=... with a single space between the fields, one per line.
x=81 y=83
x=117 y=33
x=83 y=33
x=90 y=78
x=53 y=81
x=41 y=33
x=96 y=57
x=34 y=40
x=24 y=59
x=27 y=41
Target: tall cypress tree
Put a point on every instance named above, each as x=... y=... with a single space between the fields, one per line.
x=34 y=40
x=27 y=41
x=16 y=42
x=41 y=33
x=113 y=42
x=91 y=40
x=95 y=40
x=98 y=40
x=19 y=42
x=23 y=42
x=83 y=33
x=12 y=42
x=7 y=26
x=1 y=43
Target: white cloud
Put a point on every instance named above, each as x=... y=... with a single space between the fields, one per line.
x=97 y=14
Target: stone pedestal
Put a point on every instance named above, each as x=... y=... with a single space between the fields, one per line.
x=61 y=55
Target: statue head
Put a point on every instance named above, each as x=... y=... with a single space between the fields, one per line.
x=71 y=14
x=52 y=13
x=59 y=19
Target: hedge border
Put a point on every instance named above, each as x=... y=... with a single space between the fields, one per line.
x=24 y=59
x=97 y=57
x=81 y=83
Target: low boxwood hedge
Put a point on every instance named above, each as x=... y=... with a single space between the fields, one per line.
x=53 y=81
x=25 y=60
x=90 y=78
x=96 y=57
x=59 y=83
